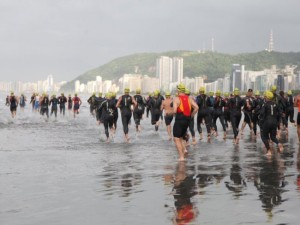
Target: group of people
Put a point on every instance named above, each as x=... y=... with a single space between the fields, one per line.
x=270 y=112
x=42 y=103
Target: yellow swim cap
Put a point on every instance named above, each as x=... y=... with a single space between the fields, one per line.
x=273 y=88
x=269 y=95
x=138 y=91
x=126 y=90
x=181 y=87
x=187 y=91
x=202 y=90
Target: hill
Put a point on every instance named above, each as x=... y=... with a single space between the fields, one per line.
x=212 y=64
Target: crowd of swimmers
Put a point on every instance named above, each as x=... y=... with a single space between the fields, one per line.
x=271 y=113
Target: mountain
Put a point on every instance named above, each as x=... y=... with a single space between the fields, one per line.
x=212 y=64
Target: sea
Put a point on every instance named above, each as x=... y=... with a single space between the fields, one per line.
x=61 y=171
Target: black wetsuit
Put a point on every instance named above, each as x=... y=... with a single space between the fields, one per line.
x=290 y=109
x=54 y=101
x=98 y=102
x=269 y=116
x=13 y=103
x=282 y=106
x=155 y=104
x=93 y=104
x=257 y=104
x=32 y=101
x=62 y=100
x=203 y=103
x=107 y=106
x=148 y=107
x=22 y=101
x=226 y=112
x=126 y=114
x=44 y=106
x=70 y=103
x=219 y=103
x=247 y=110
x=235 y=105
x=115 y=113
x=139 y=109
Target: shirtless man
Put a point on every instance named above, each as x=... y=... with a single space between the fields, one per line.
x=166 y=106
x=297 y=104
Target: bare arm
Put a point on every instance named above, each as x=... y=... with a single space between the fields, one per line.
x=134 y=101
x=176 y=103
x=162 y=106
x=119 y=102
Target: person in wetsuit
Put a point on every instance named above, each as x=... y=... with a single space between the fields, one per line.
x=268 y=115
x=107 y=106
x=148 y=107
x=98 y=100
x=32 y=100
x=115 y=110
x=70 y=103
x=192 y=122
x=297 y=104
x=219 y=104
x=125 y=102
x=139 y=110
x=203 y=103
x=22 y=101
x=62 y=100
x=226 y=109
x=92 y=103
x=155 y=105
x=247 y=110
x=44 y=105
x=290 y=108
x=257 y=104
x=53 y=102
x=182 y=108
x=13 y=103
x=235 y=105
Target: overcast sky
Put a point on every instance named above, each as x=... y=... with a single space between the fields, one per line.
x=68 y=37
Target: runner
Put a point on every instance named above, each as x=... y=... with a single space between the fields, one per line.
x=125 y=102
x=269 y=114
x=13 y=102
x=77 y=102
x=235 y=105
x=182 y=108
x=54 y=103
x=139 y=110
x=62 y=100
x=155 y=105
x=22 y=101
x=168 y=110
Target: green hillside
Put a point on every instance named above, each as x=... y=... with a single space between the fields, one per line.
x=212 y=64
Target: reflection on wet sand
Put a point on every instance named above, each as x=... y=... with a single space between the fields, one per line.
x=270 y=183
x=184 y=190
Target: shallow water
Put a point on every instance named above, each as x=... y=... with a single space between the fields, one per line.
x=61 y=171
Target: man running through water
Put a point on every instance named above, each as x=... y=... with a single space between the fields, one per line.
x=182 y=108
x=107 y=107
x=13 y=102
x=53 y=102
x=235 y=106
x=297 y=104
x=168 y=109
x=22 y=101
x=92 y=102
x=139 y=110
x=125 y=101
x=269 y=114
x=62 y=100
x=45 y=105
x=155 y=105
x=77 y=103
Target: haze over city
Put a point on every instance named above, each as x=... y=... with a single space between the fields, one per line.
x=67 y=38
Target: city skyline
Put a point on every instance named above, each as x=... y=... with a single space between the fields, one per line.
x=68 y=38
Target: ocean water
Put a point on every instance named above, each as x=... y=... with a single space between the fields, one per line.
x=61 y=171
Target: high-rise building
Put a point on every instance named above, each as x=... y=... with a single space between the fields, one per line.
x=164 y=67
x=199 y=82
x=77 y=86
x=177 y=71
x=280 y=82
x=226 y=83
x=238 y=77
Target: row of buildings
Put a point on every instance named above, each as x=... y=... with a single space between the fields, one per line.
x=48 y=85
x=169 y=73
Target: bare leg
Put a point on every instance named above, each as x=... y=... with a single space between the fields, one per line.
x=180 y=148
